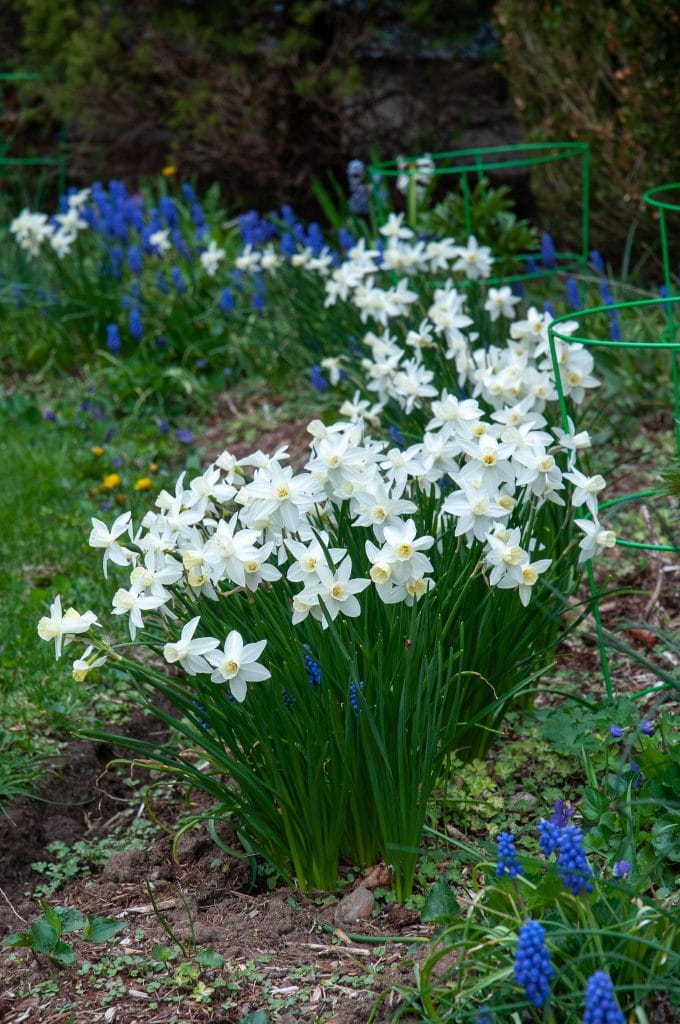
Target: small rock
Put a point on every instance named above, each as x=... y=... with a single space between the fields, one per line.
x=523 y=798
x=356 y=906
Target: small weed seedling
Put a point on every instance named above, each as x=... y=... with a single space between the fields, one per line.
x=45 y=934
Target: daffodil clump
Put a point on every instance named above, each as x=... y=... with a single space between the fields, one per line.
x=330 y=635
x=400 y=573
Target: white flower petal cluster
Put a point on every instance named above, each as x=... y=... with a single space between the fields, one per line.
x=61 y=627
x=31 y=229
x=211 y=257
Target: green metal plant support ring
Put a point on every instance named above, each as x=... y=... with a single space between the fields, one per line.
x=57 y=161
x=660 y=198
x=469 y=164
x=666 y=342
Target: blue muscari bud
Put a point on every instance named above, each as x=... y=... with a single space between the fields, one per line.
x=484 y=1016
x=118 y=191
x=135 y=325
x=549 y=308
x=354 y=696
x=288 y=245
x=397 y=436
x=135 y=216
x=116 y=261
x=601 y=1006
x=113 y=342
x=161 y=283
x=646 y=727
x=178 y=280
x=517 y=289
x=227 y=301
x=188 y=192
x=312 y=669
x=597 y=261
x=614 y=329
x=315 y=240
x=201 y=721
x=573 y=293
x=532 y=265
x=258 y=302
x=197 y=215
x=317 y=378
x=288 y=215
x=346 y=239
x=616 y=731
x=533 y=969
x=605 y=292
x=134 y=257
x=548 y=837
x=145 y=237
x=169 y=211
x=572 y=865
x=358 y=200
x=548 y=254
x=179 y=243
x=507 y=856
x=287 y=699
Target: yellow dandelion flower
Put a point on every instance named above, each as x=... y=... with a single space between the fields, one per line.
x=143 y=484
x=97 y=450
x=153 y=467
x=111 y=481
x=169 y=171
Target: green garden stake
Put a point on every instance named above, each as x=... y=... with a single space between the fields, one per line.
x=666 y=342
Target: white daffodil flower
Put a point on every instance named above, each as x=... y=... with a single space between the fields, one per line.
x=81 y=666
x=188 y=652
x=237 y=664
x=60 y=627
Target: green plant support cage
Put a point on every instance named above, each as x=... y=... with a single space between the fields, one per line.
x=13 y=168
x=469 y=166
x=666 y=341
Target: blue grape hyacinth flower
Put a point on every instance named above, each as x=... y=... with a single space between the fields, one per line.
x=113 y=342
x=572 y=865
x=507 y=856
x=548 y=837
x=533 y=969
x=601 y=1005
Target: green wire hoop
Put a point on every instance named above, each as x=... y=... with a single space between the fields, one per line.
x=665 y=342
x=467 y=163
x=14 y=162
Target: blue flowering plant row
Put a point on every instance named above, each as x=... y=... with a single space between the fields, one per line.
x=148 y=279
x=548 y=933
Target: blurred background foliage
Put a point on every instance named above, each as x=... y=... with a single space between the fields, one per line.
x=263 y=96
x=602 y=72
x=258 y=96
